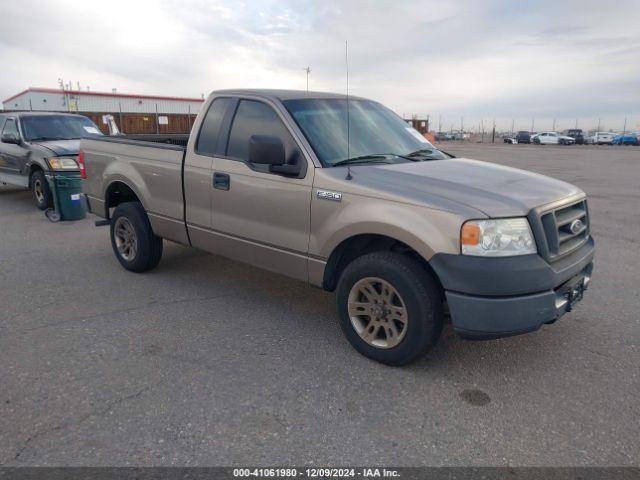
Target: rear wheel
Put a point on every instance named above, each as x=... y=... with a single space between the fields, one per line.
x=135 y=245
x=390 y=307
x=40 y=190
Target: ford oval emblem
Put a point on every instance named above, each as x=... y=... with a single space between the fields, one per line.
x=576 y=226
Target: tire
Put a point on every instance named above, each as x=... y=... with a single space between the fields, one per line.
x=414 y=288
x=40 y=190
x=135 y=245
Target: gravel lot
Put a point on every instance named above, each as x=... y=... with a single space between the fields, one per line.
x=209 y=362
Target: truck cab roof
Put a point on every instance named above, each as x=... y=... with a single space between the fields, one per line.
x=275 y=94
x=37 y=114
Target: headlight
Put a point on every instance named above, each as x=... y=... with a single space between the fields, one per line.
x=62 y=163
x=497 y=238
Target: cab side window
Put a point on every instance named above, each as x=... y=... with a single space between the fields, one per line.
x=10 y=127
x=207 y=143
x=257 y=118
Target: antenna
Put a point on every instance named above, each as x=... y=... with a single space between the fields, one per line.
x=308 y=70
x=346 y=61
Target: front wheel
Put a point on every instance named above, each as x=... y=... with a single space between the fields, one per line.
x=40 y=189
x=136 y=247
x=390 y=307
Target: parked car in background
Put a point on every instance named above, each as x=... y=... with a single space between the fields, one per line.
x=523 y=137
x=552 y=138
x=396 y=227
x=576 y=134
x=460 y=136
x=443 y=136
x=600 y=138
x=626 y=139
x=511 y=140
x=34 y=145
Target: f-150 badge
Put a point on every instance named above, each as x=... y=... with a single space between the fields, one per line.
x=327 y=195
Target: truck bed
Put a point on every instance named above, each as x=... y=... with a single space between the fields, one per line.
x=152 y=170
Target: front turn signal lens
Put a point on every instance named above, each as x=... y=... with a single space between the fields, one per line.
x=470 y=234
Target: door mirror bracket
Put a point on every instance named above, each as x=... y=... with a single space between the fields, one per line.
x=288 y=170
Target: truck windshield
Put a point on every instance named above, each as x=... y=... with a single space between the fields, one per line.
x=57 y=127
x=375 y=132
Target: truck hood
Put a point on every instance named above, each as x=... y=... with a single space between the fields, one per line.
x=495 y=190
x=61 y=147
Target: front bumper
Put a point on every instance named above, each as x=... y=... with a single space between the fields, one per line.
x=499 y=297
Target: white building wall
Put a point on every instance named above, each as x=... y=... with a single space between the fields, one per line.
x=85 y=102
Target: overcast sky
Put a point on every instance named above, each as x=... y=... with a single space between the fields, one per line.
x=478 y=59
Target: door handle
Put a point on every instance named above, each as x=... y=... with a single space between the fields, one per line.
x=221 y=181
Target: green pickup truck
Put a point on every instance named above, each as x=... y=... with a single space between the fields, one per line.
x=36 y=145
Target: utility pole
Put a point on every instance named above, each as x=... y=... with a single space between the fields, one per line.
x=532 y=123
x=65 y=101
x=439 y=123
x=554 y=125
x=308 y=70
x=462 y=128
x=624 y=129
x=598 y=125
x=157 y=121
x=493 y=132
x=513 y=124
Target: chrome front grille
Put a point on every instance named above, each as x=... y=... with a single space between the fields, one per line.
x=565 y=228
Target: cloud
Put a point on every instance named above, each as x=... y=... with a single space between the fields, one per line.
x=492 y=59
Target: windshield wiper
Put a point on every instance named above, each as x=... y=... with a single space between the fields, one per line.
x=426 y=153
x=44 y=139
x=374 y=158
x=423 y=152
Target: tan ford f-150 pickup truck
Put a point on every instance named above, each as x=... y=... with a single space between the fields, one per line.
x=343 y=194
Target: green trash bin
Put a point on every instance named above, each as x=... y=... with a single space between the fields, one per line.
x=69 y=194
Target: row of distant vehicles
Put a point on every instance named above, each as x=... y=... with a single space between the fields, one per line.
x=572 y=137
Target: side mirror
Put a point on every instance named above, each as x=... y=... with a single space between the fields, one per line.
x=266 y=150
x=10 y=138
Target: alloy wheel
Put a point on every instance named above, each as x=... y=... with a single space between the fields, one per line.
x=377 y=312
x=126 y=238
x=38 y=191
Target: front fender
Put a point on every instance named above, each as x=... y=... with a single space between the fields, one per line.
x=427 y=231
x=35 y=161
